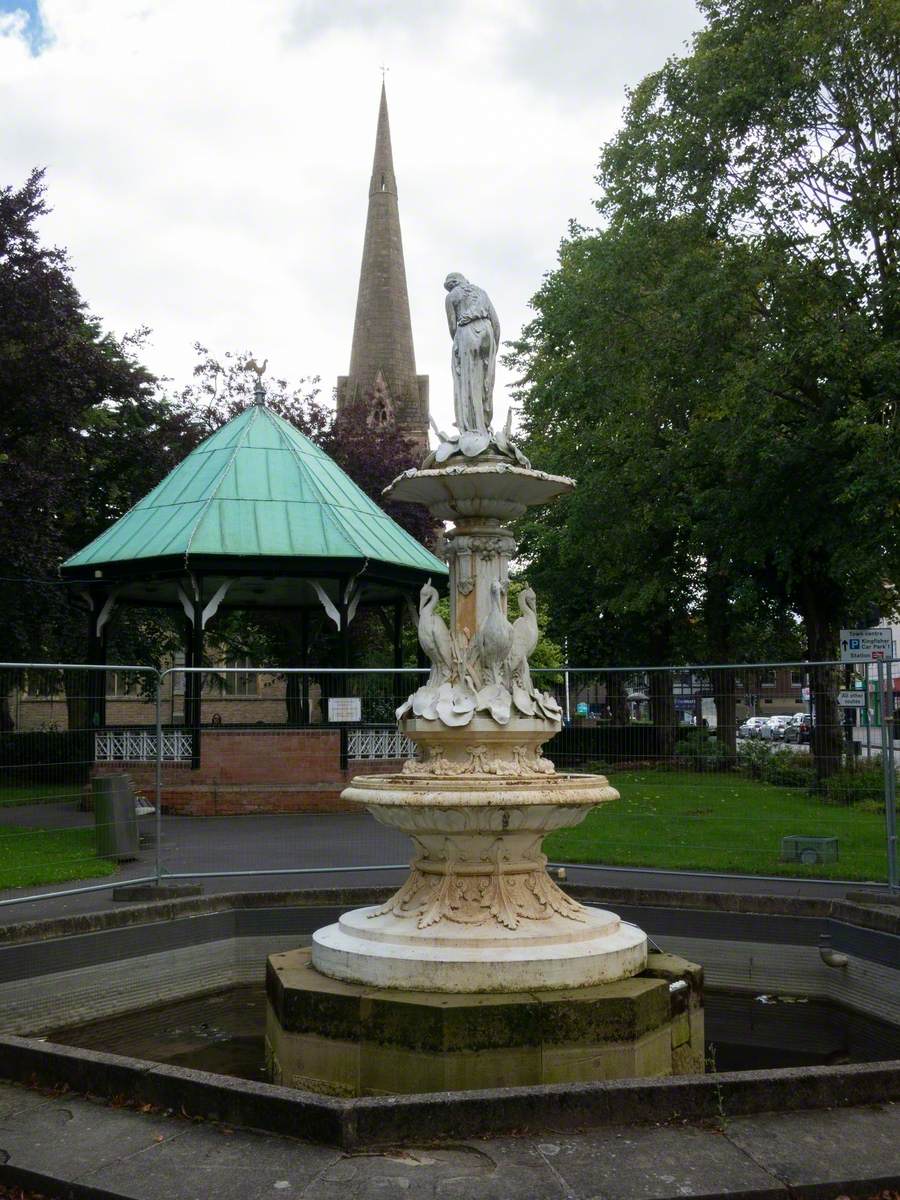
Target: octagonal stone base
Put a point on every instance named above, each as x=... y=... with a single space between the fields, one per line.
x=348 y=1039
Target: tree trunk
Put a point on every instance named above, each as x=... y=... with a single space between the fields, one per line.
x=616 y=699
x=296 y=690
x=723 y=685
x=822 y=633
x=293 y=699
x=722 y=681
x=662 y=712
x=825 y=739
x=78 y=686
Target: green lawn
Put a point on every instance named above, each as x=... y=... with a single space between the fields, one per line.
x=33 y=856
x=694 y=821
x=39 y=793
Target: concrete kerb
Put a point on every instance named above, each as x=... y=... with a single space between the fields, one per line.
x=45 y=928
x=864 y=915
x=377 y=1121
x=627 y=1102
x=351 y=1124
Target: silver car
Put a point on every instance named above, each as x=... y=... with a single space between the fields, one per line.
x=751 y=727
x=773 y=729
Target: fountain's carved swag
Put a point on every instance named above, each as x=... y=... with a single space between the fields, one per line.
x=479 y=911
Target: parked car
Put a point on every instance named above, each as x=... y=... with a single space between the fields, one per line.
x=798 y=729
x=773 y=729
x=751 y=727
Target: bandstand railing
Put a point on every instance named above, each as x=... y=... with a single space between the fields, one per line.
x=379 y=743
x=140 y=745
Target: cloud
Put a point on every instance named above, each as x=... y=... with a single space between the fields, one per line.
x=22 y=19
x=208 y=163
x=601 y=45
x=312 y=18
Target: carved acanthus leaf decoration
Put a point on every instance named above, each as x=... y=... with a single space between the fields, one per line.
x=507 y=898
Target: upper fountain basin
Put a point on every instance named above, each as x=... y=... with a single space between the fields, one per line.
x=481 y=791
x=487 y=489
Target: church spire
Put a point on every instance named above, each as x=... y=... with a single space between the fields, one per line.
x=382 y=358
x=383 y=177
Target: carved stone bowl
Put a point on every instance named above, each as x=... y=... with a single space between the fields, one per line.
x=479 y=911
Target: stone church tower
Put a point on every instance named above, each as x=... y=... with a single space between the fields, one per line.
x=382 y=359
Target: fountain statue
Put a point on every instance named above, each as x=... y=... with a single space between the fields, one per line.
x=479 y=918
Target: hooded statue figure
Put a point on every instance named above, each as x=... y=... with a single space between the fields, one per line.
x=476 y=335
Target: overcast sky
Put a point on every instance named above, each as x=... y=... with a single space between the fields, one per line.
x=208 y=161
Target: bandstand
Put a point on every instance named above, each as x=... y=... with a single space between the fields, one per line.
x=256 y=518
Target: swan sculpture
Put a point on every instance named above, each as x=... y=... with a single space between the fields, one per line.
x=490 y=650
x=434 y=637
x=524 y=640
x=493 y=640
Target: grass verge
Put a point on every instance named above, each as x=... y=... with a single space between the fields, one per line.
x=39 y=793
x=29 y=857
x=686 y=820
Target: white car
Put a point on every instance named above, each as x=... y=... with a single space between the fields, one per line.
x=751 y=727
x=772 y=730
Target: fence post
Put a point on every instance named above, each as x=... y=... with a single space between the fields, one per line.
x=159 y=755
x=886 y=702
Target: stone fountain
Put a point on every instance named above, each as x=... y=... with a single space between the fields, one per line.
x=479 y=971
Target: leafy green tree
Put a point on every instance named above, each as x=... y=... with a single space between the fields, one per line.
x=781 y=132
x=83 y=434
x=731 y=335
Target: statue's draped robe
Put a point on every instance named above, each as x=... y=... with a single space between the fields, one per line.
x=476 y=335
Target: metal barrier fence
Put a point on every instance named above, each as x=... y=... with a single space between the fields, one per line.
x=125 y=774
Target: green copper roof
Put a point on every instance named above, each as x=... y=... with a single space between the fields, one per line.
x=257 y=488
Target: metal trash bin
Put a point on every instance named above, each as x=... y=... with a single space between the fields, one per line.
x=115 y=817
x=809 y=850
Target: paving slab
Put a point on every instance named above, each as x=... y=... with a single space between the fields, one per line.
x=214 y=1160
x=468 y=1171
x=152 y=1156
x=654 y=1162
x=17 y=1099
x=69 y=1136
x=840 y=1144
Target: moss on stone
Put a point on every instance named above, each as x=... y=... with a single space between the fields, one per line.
x=306 y=1002
x=610 y=1012
x=412 y=1041
x=441 y=1022
x=672 y=967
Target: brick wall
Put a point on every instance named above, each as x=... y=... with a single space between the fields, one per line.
x=256 y=771
x=267 y=709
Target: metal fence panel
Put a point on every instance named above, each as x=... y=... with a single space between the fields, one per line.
x=753 y=770
x=723 y=769
x=59 y=822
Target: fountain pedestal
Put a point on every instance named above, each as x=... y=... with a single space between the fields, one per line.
x=479 y=911
x=479 y=970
